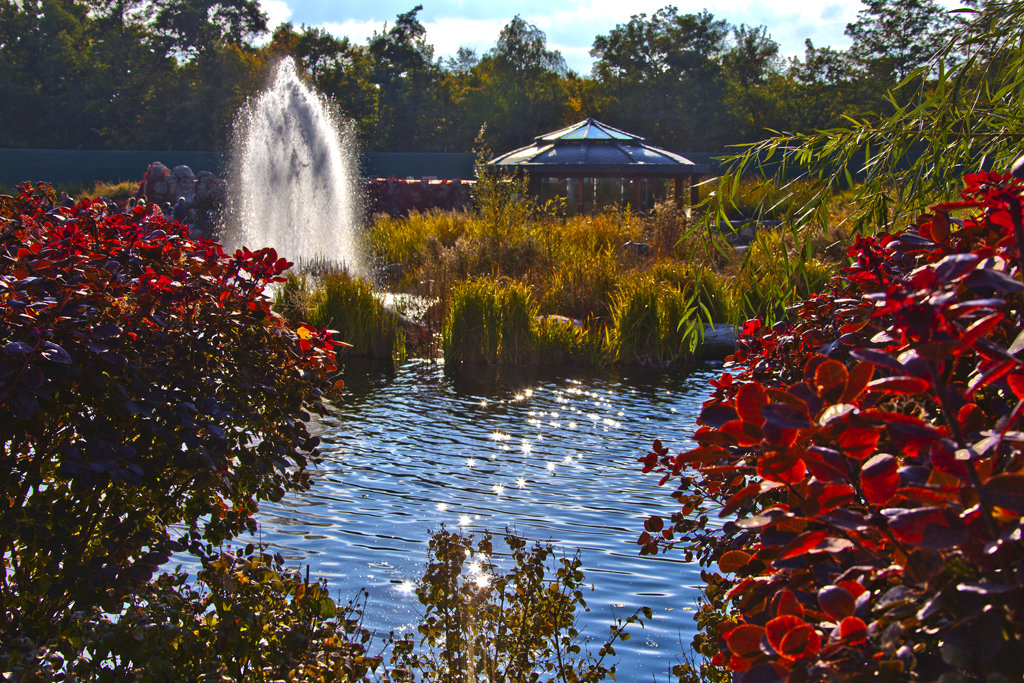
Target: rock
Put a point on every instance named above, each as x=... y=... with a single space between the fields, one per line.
x=639 y=250
x=392 y=273
x=719 y=341
x=1017 y=170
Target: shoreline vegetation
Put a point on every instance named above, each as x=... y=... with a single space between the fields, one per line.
x=517 y=283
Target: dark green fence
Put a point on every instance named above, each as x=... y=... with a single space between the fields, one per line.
x=86 y=167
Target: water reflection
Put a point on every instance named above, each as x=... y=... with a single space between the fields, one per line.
x=552 y=459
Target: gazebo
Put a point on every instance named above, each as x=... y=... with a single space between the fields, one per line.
x=592 y=164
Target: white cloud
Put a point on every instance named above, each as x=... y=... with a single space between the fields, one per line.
x=448 y=34
x=278 y=12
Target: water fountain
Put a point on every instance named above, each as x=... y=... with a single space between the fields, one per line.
x=293 y=177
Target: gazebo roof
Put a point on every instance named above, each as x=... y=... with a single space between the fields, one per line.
x=594 y=149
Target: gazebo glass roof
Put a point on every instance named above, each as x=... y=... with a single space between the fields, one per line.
x=594 y=149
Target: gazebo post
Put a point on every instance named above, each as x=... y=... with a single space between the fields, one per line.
x=694 y=190
x=677 y=195
x=579 y=195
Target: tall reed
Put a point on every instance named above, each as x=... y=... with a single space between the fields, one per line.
x=491 y=322
x=346 y=305
x=653 y=324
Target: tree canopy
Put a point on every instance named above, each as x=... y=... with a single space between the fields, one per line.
x=687 y=81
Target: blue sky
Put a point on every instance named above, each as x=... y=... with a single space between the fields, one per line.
x=570 y=25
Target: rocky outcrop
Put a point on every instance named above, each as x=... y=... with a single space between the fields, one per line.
x=205 y=194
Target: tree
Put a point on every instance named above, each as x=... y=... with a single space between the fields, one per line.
x=749 y=66
x=46 y=65
x=662 y=75
x=960 y=113
x=337 y=67
x=522 y=87
x=892 y=38
x=191 y=27
x=407 y=114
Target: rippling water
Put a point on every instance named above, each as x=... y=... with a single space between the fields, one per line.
x=553 y=459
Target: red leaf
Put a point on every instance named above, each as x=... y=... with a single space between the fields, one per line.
x=830 y=380
x=1006 y=491
x=801 y=642
x=853 y=630
x=746 y=433
x=834 y=495
x=856 y=590
x=814 y=542
x=903 y=384
x=777 y=628
x=792 y=637
x=741 y=497
x=910 y=525
x=860 y=375
x=750 y=400
x=1016 y=382
x=980 y=328
x=836 y=601
x=879 y=478
x=654 y=524
x=785 y=602
x=781 y=467
x=733 y=561
x=938 y=228
x=744 y=640
x=858 y=442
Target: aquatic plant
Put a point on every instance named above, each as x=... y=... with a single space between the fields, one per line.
x=483 y=623
x=654 y=324
x=349 y=306
x=489 y=322
x=866 y=454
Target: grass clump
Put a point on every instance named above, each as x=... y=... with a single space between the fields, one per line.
x=654 y=324
x=118 y=191
x=347 y=305
x=490 y=322
x=773 y=275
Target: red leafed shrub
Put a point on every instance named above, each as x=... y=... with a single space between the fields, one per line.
x=148 y=400
x=868 y=456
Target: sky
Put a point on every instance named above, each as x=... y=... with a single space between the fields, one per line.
x=570 y=25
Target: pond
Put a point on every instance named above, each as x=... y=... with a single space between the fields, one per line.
x=553 y=459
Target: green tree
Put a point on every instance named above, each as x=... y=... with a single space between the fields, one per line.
x=403 y=69
x=965 y=114
x=190 y=27
x=46 y=69
x=662 y=75
x=750 y=66
x=892 y=38
x=338 y=68
x=522 y=87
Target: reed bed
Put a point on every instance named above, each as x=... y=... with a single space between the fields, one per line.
x=348 y=306
x=612 y=287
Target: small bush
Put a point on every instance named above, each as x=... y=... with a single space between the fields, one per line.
x=149 y=399
x=243 y=617
x=772 y=277
x=349 y=307
x=118 y=191
x=482 y=623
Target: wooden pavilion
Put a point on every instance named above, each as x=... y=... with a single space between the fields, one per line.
x=593 y=165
